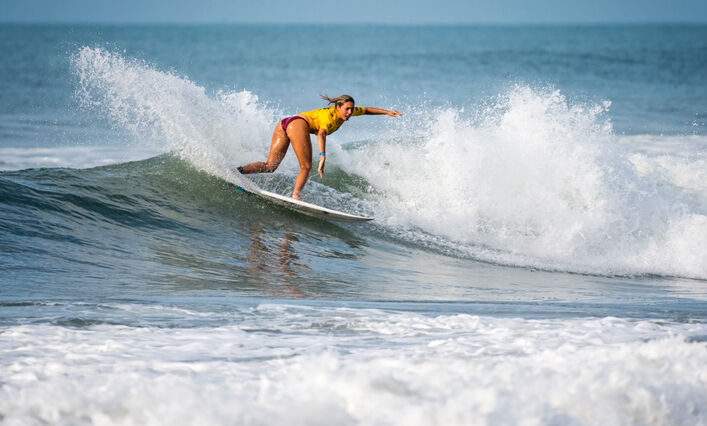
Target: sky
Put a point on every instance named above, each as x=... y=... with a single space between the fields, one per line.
x=353 y=11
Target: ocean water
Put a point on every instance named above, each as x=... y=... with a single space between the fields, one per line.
x=538 y=255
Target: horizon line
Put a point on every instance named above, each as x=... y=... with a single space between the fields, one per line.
x=328 y=24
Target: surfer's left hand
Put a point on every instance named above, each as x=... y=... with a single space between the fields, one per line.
x=395 y=114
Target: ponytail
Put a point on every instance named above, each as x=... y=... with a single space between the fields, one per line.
x=339 y=100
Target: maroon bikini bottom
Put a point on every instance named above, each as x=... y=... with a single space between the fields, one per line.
x=286 y=121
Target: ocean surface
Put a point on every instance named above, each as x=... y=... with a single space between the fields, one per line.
x=538 y=255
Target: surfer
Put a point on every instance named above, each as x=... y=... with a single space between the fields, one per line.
x=296 y=129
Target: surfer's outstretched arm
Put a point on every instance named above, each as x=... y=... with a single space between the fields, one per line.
x=380 y=111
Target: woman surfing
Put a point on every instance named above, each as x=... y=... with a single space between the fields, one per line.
x=296 y=130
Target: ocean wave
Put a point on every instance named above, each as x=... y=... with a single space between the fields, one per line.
x=529 y=178
x=172 y=114
x=87 y=206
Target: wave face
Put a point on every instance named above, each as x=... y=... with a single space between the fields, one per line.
x=528 y=178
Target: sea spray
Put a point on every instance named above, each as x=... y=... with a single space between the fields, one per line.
x=535 y=180
x=173 y=113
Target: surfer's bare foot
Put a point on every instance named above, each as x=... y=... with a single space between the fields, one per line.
x=296 y=196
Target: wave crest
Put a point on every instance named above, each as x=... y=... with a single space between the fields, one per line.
x=173 y=113
x=535 y=180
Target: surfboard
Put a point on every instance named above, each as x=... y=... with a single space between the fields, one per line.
x=304 y=207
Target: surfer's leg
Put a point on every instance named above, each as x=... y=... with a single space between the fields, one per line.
x=298 y=132
x=278 y=149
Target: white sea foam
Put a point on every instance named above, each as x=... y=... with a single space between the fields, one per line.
x=537 y=180
x=299 y=365
x=680 y=161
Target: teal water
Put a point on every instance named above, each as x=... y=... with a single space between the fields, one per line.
x=541 y=218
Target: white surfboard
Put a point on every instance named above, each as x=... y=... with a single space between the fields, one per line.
x=304 y=207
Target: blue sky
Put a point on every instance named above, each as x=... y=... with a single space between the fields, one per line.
x=354 y=11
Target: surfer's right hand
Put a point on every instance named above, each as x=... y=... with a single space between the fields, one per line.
x=322 y=160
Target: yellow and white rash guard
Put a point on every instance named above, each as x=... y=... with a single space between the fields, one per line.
x=327 y=119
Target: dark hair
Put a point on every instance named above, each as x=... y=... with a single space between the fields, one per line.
x=339 y=100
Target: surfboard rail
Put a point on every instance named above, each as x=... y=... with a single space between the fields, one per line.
x=306 y=208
